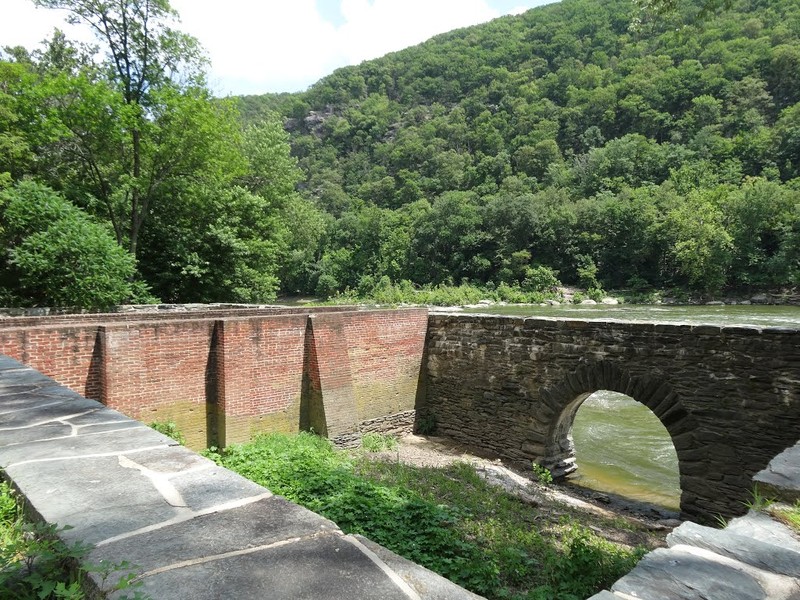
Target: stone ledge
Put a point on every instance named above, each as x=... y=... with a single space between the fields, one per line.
x=753 y=558
x=781 y=479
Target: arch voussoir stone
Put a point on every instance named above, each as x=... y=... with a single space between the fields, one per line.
x=650 y=390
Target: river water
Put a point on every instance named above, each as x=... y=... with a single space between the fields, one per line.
x=621 y=447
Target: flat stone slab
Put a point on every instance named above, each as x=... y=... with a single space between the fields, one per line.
x=766 y=529
x=426 y=583
x=123 y=440
x=328 y=566
x=752 y=551
x=781 y=479
x=259 y=523
x=687 y=573
x=191 y=529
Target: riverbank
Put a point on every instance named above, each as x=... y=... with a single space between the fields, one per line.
x=436 y=452
x=467 y=517
x=457 y=297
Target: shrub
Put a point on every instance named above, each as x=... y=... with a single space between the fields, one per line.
x=540 y=279
x=58 y=256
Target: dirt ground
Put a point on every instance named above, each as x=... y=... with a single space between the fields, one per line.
x=614 y=518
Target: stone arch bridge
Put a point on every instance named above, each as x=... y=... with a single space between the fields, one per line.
x=728 y=396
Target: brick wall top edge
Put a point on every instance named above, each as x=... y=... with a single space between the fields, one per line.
x=415 y=310
x=658 y=326
x=149 y=318
x=140 y=316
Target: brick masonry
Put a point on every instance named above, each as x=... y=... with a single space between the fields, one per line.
x=225 y=375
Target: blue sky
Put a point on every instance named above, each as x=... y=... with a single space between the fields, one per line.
x=259 y=46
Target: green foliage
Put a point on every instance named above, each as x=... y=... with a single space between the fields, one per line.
x=35 y=564
x=404 y=292
x=57 y=256
x=378 y=442
x=540 y=279
x=560 y=143
x=599 y=159
x=542 y=474
x=137 y=127
x=448 y=520
x=170 y=429
x=590 y=563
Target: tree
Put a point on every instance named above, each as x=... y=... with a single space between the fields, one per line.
x=15 y=150
x=57 y=256
x=700 y=246
x=220 y=242
x=142 y=123
x=447 y=242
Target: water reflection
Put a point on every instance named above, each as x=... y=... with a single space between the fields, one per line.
x=622 y=447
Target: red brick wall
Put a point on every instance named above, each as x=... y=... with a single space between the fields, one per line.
x=223 y=377
x=385 y=355
x=158 y=371
x=263 y=361
x=333 y=374
x=66 y=353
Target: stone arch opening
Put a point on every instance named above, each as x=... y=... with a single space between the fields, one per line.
x=650 y=389
x=622 y=448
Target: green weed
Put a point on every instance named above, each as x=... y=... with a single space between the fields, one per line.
x=447 y=519
x=543 y=474
x=758 y=502
x=169 y=428
x=378 y=442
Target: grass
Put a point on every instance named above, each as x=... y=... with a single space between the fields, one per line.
x=789 y=514
x=758 y=501
x=447 y=519
x=378 y=442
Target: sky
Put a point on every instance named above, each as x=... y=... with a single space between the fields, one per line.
x=259 y=46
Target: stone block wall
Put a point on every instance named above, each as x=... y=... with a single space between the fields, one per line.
x=728 y=396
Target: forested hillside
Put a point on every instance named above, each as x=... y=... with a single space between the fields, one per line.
x=561 y=143
x=666 y=155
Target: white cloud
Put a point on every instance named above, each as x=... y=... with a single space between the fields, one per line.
x=23 y=24
x=274 y=46
x=258 y=46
